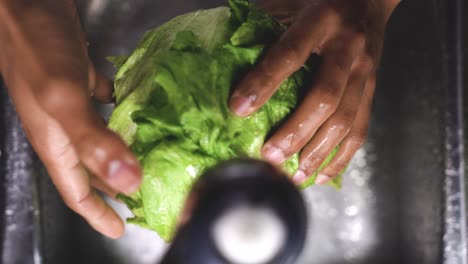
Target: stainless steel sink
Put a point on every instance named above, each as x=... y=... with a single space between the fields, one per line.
x=393 y=207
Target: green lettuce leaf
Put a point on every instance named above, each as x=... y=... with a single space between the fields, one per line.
x=172 y=94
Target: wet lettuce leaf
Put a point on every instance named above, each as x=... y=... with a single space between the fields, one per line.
x=172 y=94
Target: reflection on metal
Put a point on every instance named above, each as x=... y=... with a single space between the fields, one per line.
x=17 y=230
x=343 y=223
x=455 y=246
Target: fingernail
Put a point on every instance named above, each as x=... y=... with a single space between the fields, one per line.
x=322 y=179
x=123 y=176
x=241 y=105
x=299 y=177
x=273 y=155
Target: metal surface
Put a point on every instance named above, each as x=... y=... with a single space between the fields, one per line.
x=391 y=208
x=455 y=246
x=17 y=165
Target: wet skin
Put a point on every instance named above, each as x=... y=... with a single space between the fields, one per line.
x=45 y=65
x=348 y=35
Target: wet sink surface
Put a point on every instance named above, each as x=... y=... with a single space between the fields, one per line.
x=390 y=208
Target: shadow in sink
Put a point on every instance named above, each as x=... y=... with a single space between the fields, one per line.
x=390 y=209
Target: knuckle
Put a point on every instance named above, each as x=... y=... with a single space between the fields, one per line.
x=358 y=40
x=343 y=61
x=64 y=160
x=95 y=151
x=358 y=139
x=86 y=143
x=100 y=214
x=54 y=95
x=330 y=98
x=332 y=87
x=291 y=52
x=312 y=160
x=264 y=78
x=294 y=147
x=338 y=166
x=366 y=65
x=318 y=157
x=290 y=141
x=344 y=118
x=342 y=125
x=79 y=203
x=331 y=14
x=368 y=62
x=344 y=50
x=85 y=206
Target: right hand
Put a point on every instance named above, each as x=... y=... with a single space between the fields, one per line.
x=44 y=64
x=348 y=35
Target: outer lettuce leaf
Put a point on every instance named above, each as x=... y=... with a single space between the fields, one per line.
x=173 y=110
x=134 y=79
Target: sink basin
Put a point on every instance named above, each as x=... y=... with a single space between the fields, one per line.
x=392 y=207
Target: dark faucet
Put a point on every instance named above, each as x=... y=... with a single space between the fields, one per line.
x=242 y=211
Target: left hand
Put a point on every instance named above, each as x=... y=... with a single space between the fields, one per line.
x=44 y=63
x=348 y=35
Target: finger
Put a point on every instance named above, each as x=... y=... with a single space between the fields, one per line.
x=99 y=149
x=334 y=130
x=103 y=187
x=62 y=162
x=74 y=186
x=104 y=89
x=354 y=140
x=319 y=104
x=283 y=59
x=100 y=87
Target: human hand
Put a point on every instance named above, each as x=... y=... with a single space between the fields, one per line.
x=348 y=35
x=44 y=63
